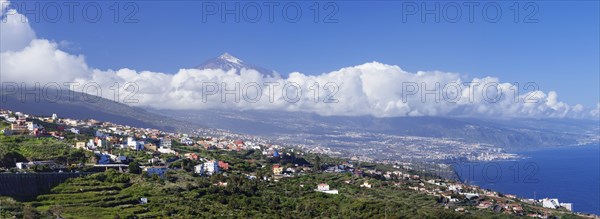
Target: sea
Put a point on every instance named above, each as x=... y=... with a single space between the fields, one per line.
x=570 y=174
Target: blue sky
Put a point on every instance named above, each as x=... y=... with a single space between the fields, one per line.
x=560 y=52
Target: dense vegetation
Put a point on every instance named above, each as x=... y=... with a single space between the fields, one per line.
x=181 y=195
x=24 y=148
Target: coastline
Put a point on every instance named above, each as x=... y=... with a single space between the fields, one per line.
x=530 y=177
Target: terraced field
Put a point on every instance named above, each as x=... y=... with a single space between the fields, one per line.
x=91 y=198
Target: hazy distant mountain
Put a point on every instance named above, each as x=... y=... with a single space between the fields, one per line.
x=511 y=134
x=76 y=105
x=227 y=62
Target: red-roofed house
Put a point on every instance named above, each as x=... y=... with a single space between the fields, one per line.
x=223 y=165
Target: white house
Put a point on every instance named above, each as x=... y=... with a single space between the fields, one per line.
x=324 y=188
x=166 y=143
x=131 y=143
x=166 y=151
x=154 y=160
x=23 y=165
x=553 y=203
x=211 y=167
x=186 y=141
x=550 y=203
x=71 y=122
x=199 y=169
x=32 y=126
x=470 y=195
x=74 y=131
x=208 y=168
x=366 y=185
x=455 y=187
x=568 y=206
x=102 y=143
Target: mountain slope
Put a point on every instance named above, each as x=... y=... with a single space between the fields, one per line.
x=513 y=134
x=76 y=106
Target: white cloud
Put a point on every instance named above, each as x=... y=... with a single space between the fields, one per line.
x=369 y=89
x=15 y=32
x=595 y=113
x=42 y=62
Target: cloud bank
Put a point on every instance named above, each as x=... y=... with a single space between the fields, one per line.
x=374 y=88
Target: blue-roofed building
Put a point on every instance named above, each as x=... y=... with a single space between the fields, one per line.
x=172 y=159
x=104 y=159
x=160 y=171
x=122 y=159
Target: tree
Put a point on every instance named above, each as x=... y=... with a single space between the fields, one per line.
x=56 y=210
x=317 y=166
x=8 y=159
x=41 y=168
x=76 y=157
x=134 y=167
x=29 y=212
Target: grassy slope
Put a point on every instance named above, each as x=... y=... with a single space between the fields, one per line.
x=99 y=196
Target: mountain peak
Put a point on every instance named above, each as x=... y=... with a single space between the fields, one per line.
x=230 y=58
x=227 y=62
